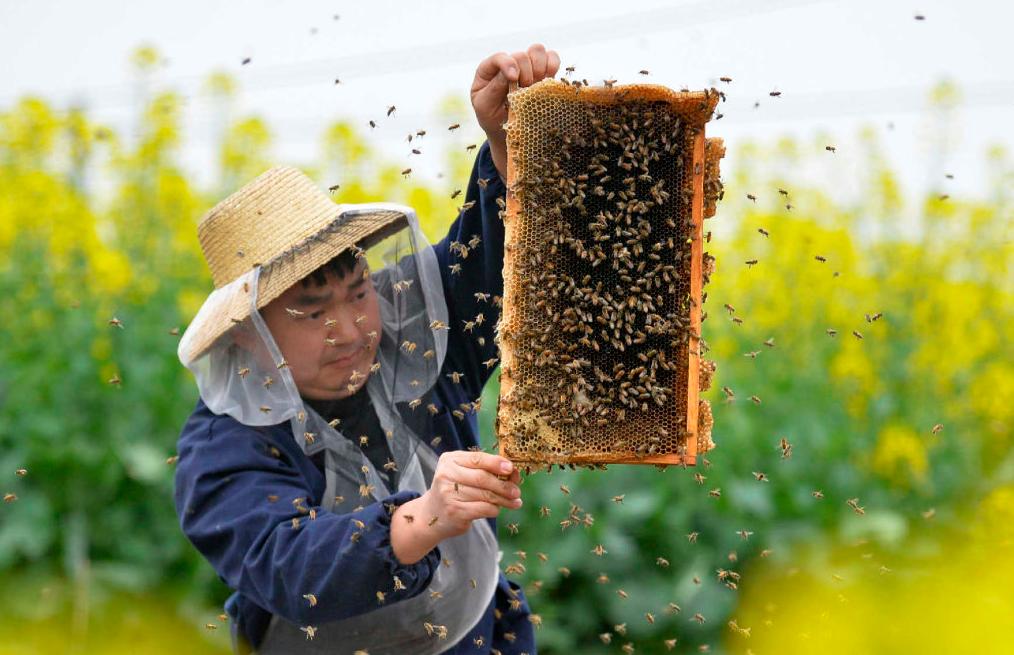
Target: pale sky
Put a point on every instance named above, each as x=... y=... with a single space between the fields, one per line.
x=838 y=64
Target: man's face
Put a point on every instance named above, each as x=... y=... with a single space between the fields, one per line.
x=331 y=339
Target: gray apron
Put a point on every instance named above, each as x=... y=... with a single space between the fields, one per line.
x=458 y=593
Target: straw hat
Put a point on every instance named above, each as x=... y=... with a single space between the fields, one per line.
x=283 y=222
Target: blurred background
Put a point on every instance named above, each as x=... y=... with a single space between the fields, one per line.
x=883 y=523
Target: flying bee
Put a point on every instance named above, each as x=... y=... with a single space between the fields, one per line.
x=762 y=231
x=403 y=285
x=414 y=403
x=663 y=562
x=752 y=354
x=175 y=332
x=333 y=188
x=455 y=193
x=453 y=127
x=407 y=172
x=310 y=598
x=752 y=197
x=618 y=499
x=115 y=380
x=115 y=322
x=246 y=60
x=643 y=72
x=698 y=617
x=622 y=594
x=455 y=376
x=698 y=478
x=829 y=148
x=455 y=269
x=744 y=534
x=243 y=372
x=831 y=332
x=268 y=381
x=438 y=325
x=820 y=258
x=818 y=494
x=491 y=363
x=857 y=334
x=755 y=399
x=760 y=476
x=381 y=597
x=725 y=79
x=716 y=492
x=391 y=110
x=751 y=262
x=21 y=472
x=937 y=428
x=373 y=124
x=775 y=94
x=770 y=342
x=599 y=550
x=311 y=631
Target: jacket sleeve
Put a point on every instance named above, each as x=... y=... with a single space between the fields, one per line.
x=475 y=241
x=513 y=631
x=235 y=496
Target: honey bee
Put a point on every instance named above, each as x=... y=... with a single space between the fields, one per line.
x=174 y=331
x=491 y=363
x=930 y=513
x=22 y=472
x=725 y=79
x=820 y=258
x=310 y=630
x=471 y=146
x=669 y=643
x=455 y=193
x=10 y=497
x=373 y=124
x=391 y=110
x=453 y=127
x=438 y=325
x=751 y=262
x=818 y=494
x=455 y=269
x=268 y=381
x=115 y=380
x=606 y=638
x=752 y=354
x=599 y=550
x=662 y=562
x=919 y=17
x=698 y=478
x=755 y=399
x=643 y=72
x=760 y=476
x=857 y=334
x=310 y=598
x=211 y=626
x=618 y=499
x=698 y=617
x=937 y=428
x=744 y=534
x=762 y=231
x=406 y=172
x=565 y=489
x=433 y=521
x=829 y=148
x=775 y=94
x=622 y=594
x=716 y=492
x=333 y=188
x=243 y=372
x=831 y=332
x=401 y=286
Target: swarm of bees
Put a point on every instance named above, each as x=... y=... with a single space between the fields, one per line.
x=600 y=334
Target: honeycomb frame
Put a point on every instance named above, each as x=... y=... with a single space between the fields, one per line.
x=699 y=190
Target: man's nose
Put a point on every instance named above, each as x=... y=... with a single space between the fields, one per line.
x=343 y=328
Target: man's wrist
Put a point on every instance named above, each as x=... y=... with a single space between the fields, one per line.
x=410 y=538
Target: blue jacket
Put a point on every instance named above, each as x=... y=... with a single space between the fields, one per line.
x=227 y=470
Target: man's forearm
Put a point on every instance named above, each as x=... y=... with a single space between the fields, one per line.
x=411 y=535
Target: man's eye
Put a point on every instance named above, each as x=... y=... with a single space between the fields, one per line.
x=360 y=295
x=317 y=314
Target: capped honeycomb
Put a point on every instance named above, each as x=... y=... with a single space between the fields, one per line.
x=604 y=262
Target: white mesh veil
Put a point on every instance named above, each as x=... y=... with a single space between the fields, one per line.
x=245 y=376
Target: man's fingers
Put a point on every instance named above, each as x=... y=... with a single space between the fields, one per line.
x=537 y=55
x=525 y=65
x=552 y=63
x=486 y=461
x=482 y=479
x=468 y=494
x=494 y=64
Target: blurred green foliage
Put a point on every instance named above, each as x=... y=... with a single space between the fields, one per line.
x=92 y=229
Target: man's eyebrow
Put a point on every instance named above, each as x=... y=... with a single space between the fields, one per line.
x=307 y=299
x=357 y=284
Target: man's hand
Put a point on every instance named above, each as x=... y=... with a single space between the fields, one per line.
x=490 y=86
x=466 y=486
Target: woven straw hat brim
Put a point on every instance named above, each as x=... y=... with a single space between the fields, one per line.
x=292 y=265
